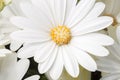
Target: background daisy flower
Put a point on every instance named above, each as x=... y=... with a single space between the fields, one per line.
x=110 y=64
x=6 y=27
x=112 y=9
x=11 y=69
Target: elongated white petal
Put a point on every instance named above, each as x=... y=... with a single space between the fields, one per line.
x=111 y=77
x=15 y=45
x=48 y=9
x=80 y=11
x=96 y=38
x=5 y=51
x=57 y=67
x=44 y=52
x=104 y=64
x=70 y=4
x=37 y=3
x=8 y=65
x=45 y=66
x=27 y=51
x=92 y=26
x=60 y=10
x=114 y=49
x=34 y=13
x=71 y=64
x=91 y=48
x=29 y=36
x=83 y=58
x=34 y=77
x=26 y=23
x=22 y=67
x=96 y=11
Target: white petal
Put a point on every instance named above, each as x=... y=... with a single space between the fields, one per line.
x=4 y=42
x=35 y=14
x=34 y=77
x=27 y=51
x=29 y=36
x=91 y=48
x=70 y=62
x=8 y=67
x=60 y=8
x=92 y=26
x=104 y=65
x=2 y=55
x=5 y=51
x=96 y=38
x=84 y=59
x=15 y=45
x=22 y=67
x=79 y=12
x=46 y=65
x=37 y=2
x=44 y=52
x=114 y=49
x=96 y=11
x=25 y=23
x=47 y=10
x=111 y=77
x=69 y=5
x=57 y=67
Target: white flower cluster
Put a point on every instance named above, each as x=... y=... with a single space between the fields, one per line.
x=64 y=37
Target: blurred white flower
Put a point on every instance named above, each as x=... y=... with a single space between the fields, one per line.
x=11 y=69
x=111 y=64
x=112 y=9
x=59 y=33
x=6 y=27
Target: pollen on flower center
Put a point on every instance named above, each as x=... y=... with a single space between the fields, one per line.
x=61 y=35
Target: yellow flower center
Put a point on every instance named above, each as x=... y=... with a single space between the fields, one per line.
x=61 y=35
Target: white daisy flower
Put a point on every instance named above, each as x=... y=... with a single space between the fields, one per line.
x=10 y=69
x=59 y=33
